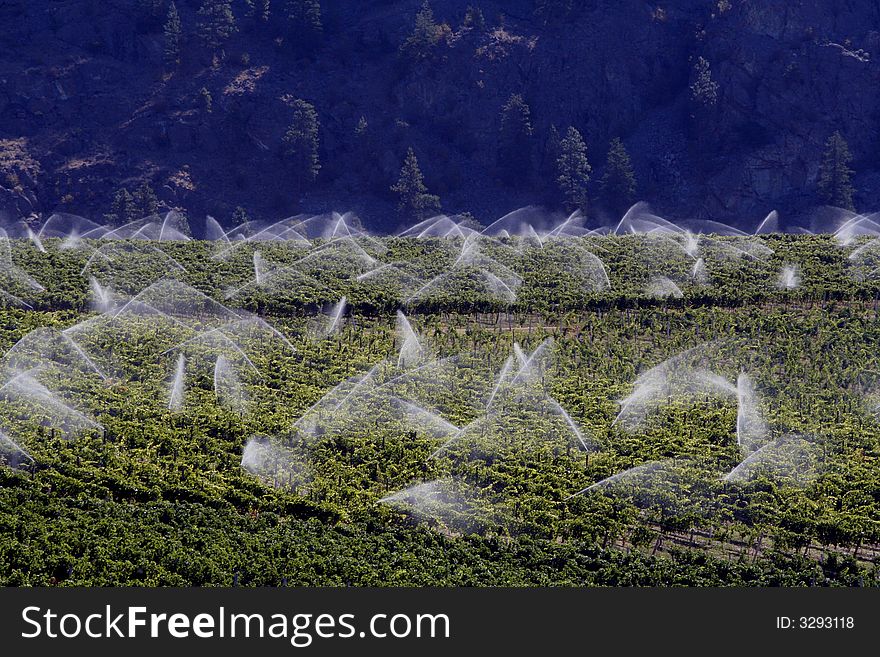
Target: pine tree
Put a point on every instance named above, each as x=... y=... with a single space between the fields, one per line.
x=172 y=36
x=704 y=127
x=362 y=140
x=573 y=170
x=240 y=216
x=704 y=90
x=304 y=23
x=127 y=207
x=205 y=100
x=473 y=18
x=414 y=199
x=364 y=155
x=425 y=35
x=619 y=181
x=152 y=9
x=145 y=200
x=551 y=152
x=515 y=147
x=216 y=23
x=835 y=186
x=301 y=142
x=258 y=9
x=122 y=209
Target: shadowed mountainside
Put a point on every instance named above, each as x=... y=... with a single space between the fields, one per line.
x=89 y=104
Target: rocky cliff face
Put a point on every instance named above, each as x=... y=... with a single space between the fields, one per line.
x=87 y=105
x=789 y=74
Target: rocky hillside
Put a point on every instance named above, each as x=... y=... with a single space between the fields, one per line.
x=90 y=103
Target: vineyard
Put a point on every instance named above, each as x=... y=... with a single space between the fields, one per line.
x=455 y=409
